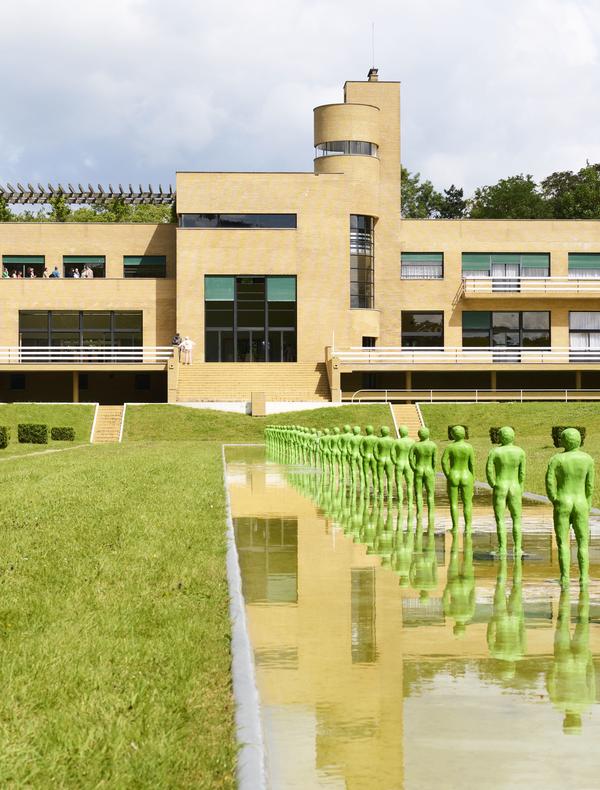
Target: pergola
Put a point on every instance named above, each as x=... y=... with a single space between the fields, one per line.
x=92 y=196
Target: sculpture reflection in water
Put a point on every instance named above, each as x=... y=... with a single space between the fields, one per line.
x=458 y=599
x=372 y=465
x=506 y=636
x=571 y=681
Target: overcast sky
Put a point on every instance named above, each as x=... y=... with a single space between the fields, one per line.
x=133 y=90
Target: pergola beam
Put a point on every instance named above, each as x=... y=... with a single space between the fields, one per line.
x=36 y=195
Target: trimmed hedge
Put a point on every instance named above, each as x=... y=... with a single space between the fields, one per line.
x=62 y=433
x=558 y=429
x=495 y=433
x=4 y=436
x=466 y=427
x=32 y=433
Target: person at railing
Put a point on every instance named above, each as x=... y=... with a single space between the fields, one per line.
x=87 y=273
x=75 y=273
x=55 y=274
x=30 y=273
x=186 y=346
x=13 y=274
x=45 y=273
x=5 y=274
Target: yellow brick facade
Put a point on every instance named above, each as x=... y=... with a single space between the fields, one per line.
x=316 y=252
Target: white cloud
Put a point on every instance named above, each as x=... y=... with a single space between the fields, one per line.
x=130 y=90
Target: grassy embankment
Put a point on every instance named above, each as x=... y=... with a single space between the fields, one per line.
x=114 y=621
x=532 y=423
x=78 y=417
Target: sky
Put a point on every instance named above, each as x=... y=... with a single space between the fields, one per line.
x=129 y=91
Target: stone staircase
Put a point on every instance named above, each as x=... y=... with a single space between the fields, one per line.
x=281 y=381
x=407 y=414
x=108 y=424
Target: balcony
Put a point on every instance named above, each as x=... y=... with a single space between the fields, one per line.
x=83 y=357
x=397 y=358
x=528 y=287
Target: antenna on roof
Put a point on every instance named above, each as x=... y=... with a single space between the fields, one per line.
x=372 y=45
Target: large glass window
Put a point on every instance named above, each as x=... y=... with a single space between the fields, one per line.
x=250 y=319
x=505 y=266
x=584 y=264
x=87 y=266
x=63 y=328
x=362 y=257
x=584 y=335
x=506 y=329
x=422 y=329
x=283 y=221
x=23 y=265
x=144 y=266
x=422 y=266
x=347 y=148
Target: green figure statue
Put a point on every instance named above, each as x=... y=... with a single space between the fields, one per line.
x=458 y=599
x=355 y=458
x=457 y=465
x=423 y=459
x=400 y=451
x=506 y=636
x=336 y=452
x=570 y=485
x=505 y=471
x=382 y=452
x=571 y=681
x=367 y=447
x=345 y=439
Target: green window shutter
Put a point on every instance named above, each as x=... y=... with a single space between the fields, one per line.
x=476 y=319
x=535 y=260
x=19 y=260
x=144 y=260
x=504 y=257
x=423 y=257
x=219 y=289
x=475 y=262
x=83 y=259
x=281 y=289
x=589 y=260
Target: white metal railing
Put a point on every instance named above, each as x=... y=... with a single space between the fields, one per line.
x=530 y=285
x=85 y=354
x=475 y=396
x=456 y=355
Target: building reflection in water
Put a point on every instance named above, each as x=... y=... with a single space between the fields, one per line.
x=392 y=655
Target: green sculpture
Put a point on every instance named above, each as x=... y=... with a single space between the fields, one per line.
x=458 y=599
x=505 y=471
x=571 y=681
x=345 y=438
x=336 y=452
x=382 y=451
x=367 y=447
x=423 y=459
x=506 y=636
x=355 y=458
x=458 y=466
x=570 y=485
x=400 y=452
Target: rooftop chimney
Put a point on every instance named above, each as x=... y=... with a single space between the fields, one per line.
x=372 y=75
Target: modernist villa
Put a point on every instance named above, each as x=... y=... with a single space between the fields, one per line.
x=299 y=286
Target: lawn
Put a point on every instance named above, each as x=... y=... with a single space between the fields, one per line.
x=114 y=619
x=532 y=423
x=79 y=417
x=174 y=423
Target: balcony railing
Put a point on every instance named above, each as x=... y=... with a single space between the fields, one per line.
x=88 y=355
x=475 y=286
x=469 y=396
x=378 y=357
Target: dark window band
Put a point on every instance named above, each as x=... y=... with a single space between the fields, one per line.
x=285 y=221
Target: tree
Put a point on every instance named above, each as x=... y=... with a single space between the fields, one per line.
x=6 y=214
x=571 y=195
x=60 y=210
x=452 y=204
x=419 y=198
x=516 y=197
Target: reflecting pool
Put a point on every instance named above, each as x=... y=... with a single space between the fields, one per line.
x=390 y=656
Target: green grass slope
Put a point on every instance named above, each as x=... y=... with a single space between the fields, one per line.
x=532 y=423
x=114 y=620
x=79 y=417
x=174 y=423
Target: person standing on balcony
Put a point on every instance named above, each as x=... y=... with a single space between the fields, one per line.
x=186 y=347
x=5 y=274
x=75 y=274
x=55 y=273
x=45 y=273
x=30 y=272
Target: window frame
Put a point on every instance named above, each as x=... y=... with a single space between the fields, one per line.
x=404 y=263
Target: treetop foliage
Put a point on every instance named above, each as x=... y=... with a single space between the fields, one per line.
x=116 y=210
x=562 y=195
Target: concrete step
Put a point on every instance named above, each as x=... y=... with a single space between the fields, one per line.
x=407 y=414
x=108 y=424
